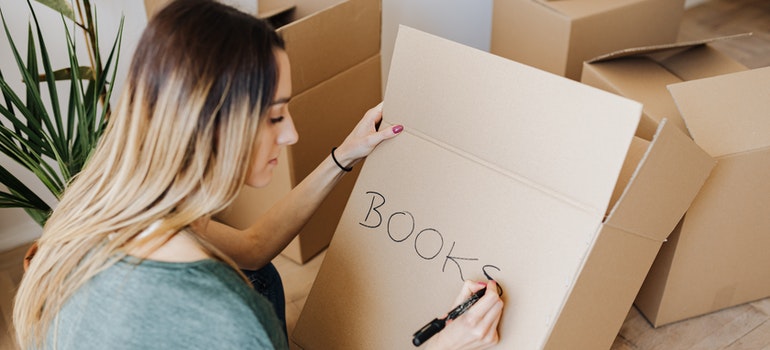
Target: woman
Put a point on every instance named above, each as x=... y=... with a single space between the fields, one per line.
x=129 y=259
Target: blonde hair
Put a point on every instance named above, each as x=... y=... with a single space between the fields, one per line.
x=176 y=149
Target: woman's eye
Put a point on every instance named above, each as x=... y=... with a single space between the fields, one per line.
x=276 y=120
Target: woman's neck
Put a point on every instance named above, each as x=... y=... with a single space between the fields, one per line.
x=180 y=248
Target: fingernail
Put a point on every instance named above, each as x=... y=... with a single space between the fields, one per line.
x=482 y=283
x=397 y=129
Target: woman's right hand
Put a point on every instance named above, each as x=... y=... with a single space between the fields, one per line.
x=364 y=137
x=477 y=327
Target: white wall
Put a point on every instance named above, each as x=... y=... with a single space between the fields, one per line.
x=468 y=22
x=16 y=227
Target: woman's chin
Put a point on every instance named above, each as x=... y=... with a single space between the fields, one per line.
x=259 y=182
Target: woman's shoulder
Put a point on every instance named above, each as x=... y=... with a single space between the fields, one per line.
x=214 y=284
x=198 y=304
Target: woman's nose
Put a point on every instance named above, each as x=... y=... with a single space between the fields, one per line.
x=288 y=134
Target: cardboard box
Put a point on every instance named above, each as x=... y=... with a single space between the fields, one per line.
x=532 y=178
x=695 y=272
x=643 y=73
x=323 y=37
x=719 y=257
x=323 y=115
x=557 y=36
x=271 y=8
x=334 y=50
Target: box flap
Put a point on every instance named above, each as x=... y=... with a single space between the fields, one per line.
x=727 y=114
x=645 y=50
x=700 y=62
x=664 y=184
x=490 y=175
x=536 y=130
x=640 y=79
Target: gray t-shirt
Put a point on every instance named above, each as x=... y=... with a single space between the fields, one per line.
x=161 y=305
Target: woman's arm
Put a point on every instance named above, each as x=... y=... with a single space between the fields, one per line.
x=258 y=244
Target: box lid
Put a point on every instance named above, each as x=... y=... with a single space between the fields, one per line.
x=727 y=114
x=535 y=130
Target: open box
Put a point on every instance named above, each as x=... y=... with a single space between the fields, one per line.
x=710 y=261
x=642 y=74
x=557 y=36
x=718 y=256
x=334 y=50
x=529 y=177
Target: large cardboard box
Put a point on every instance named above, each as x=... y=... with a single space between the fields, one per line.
x=719 y=257
x=642 y=74
x=529 y=177
x=334 y=50
x=557 y=36
x=704 y=264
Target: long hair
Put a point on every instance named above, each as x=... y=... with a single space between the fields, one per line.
x=176 y=149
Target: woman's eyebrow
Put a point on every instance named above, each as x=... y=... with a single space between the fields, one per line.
x=280 y=101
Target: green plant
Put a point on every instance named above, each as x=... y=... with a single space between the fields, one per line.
x=51 y=140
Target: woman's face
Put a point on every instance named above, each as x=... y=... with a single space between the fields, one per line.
x=276 y=129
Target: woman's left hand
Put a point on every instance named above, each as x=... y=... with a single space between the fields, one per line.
x=364 y=138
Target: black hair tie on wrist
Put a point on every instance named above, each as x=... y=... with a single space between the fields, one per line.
x=338 y=163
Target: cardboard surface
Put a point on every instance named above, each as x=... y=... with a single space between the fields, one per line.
x=642 y=74
x=727 y=114
x=327 y=37
x=498 y=179
x=718 y=258
x=558 y=36
x=270 y=8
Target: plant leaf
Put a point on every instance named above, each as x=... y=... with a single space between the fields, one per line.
x=66 y=74
x=20 y=192
x=61 y=6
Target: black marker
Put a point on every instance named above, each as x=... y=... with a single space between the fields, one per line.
x=437 y=325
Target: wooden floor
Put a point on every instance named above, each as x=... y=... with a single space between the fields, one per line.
x=741 y=327
x=725 y=17
x=10 y=276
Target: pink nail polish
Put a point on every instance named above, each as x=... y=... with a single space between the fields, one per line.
x=397 y=129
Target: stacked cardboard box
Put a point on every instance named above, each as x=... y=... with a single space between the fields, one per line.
x=559 y=202
x=557 y=36
x=334 y=50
